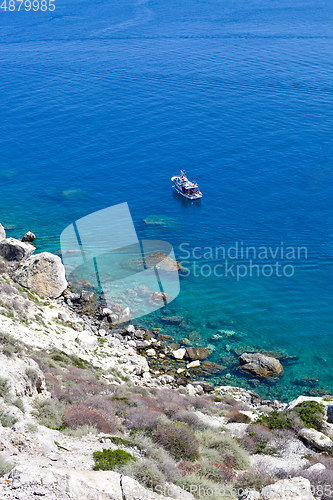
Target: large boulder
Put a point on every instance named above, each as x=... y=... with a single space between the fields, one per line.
x=296 y=488
x=2 y=232
x=260 y=365
x=43 y=273
x=15 y=250
x=316 y=439
x=29 y=237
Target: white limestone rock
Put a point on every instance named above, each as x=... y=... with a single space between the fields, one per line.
x=43 y=273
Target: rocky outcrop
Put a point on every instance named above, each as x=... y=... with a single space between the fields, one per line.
x=29 y=237
x=316 y=439
x=43 y=273
x=77 y=484
x=260 y=365
x=24 y=377
x=2 y=232
x=15 y=250
x=296 y=488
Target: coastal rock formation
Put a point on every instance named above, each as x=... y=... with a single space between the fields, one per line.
x=29 y=237
x=82 y=484
x=2 y=232
x=15 y=250
x=43 y=273
x=260 y=365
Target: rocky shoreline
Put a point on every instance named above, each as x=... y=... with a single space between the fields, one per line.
x=48 y=329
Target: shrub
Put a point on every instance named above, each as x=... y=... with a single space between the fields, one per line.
x=236 y=416
x=9 y=345
x=49 y=413
x=32 y=375
x=19 y=404
x=5 y=466
x=78 y=417
x=4 y=387
x=262 y=437
x=145 y=472
x=6 y=419
x=278 y=420
x=163 y=460
x=81 y=431
x=140 y=418
x=191 y=419
x=108 y=459
x=229 y=450
x=178 y=440
x=311 y=413
x=202 y=487
x=252 y=481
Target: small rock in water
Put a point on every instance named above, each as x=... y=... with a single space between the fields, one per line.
x=193 y=364
x=151 y=352
x=29 y=237
x=86 y=295
x=179 y=354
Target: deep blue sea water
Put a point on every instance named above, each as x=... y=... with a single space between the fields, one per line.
x=102 y=102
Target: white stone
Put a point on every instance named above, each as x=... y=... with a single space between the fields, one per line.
x=151 y=352
x=179 y=353
x=317 y=468
x=316 y=439
x=296 y=488
x=193 y=364
x=181 y=370
x=130 y=329
x=43 y=273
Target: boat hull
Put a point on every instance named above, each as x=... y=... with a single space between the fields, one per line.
x=179 y=190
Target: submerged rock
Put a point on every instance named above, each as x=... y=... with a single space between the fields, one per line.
x=158 y=260
x=14 y=250
x=43 y=273
x=260 y=365
x=201 y=353
x=172 y=320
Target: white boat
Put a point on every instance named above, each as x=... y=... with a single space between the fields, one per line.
x=185 y=187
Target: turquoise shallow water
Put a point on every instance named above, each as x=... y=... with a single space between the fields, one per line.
x=102 y=103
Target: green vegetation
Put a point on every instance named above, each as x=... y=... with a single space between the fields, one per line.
x=49 y=413
x=277 y=420
x=6 y=419
x=5 y=467
x=311 y=413
x=4 y=388
x=108 y=459
x=178 y=440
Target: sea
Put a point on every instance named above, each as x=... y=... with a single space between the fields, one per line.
x=102 y=102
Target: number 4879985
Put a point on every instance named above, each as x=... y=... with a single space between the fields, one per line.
x=28 y=5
